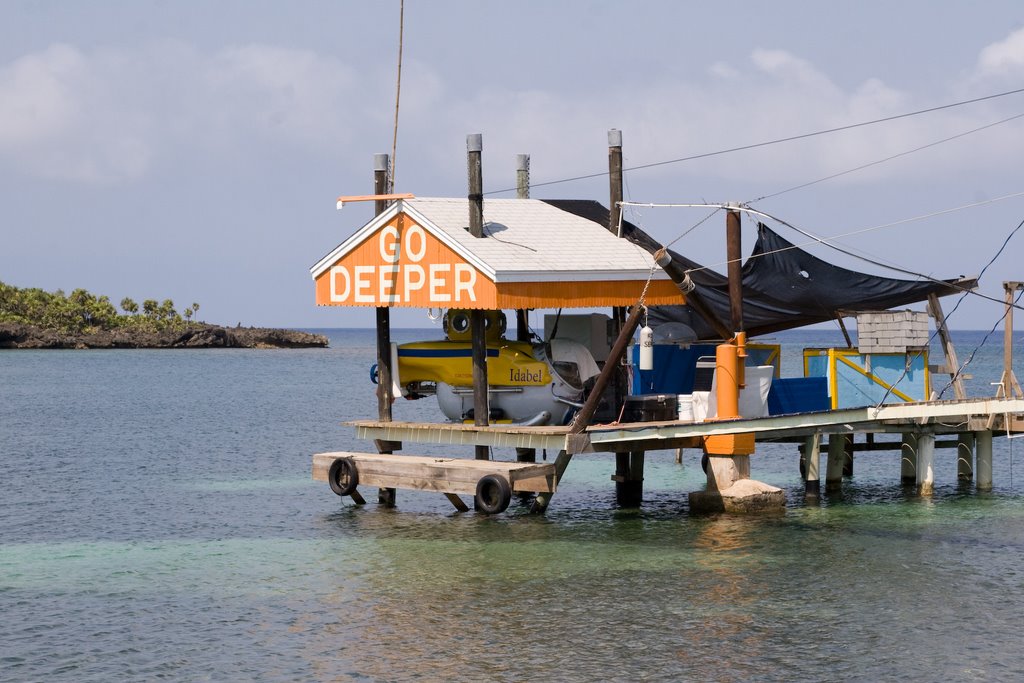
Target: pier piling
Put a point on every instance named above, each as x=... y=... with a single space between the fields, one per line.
x=629 y=479
x=835 y=463
x=926 y=464
x=965 y=457
x=908 y=459
x=812 y=455
x=983 y=453
x=848 y=449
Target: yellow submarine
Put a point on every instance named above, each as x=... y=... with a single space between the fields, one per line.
x=529 y=383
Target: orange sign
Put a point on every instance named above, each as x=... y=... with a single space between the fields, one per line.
x=402 y=265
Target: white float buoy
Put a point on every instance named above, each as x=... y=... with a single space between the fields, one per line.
x=646 y=348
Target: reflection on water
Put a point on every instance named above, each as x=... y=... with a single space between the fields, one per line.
x=158 y=521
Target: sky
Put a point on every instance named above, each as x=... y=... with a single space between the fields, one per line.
x=194 y=150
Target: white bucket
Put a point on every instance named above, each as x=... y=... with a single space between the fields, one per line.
x=685 y=407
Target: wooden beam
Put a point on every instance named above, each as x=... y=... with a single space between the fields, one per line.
x=540 y=503
x=457 y=502
x=952 y=363
x=373 y=197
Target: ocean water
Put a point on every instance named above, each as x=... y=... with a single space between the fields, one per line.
x=158 y=521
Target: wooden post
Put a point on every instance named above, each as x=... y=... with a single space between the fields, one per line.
x=523 y=176
x=834 y=466
x=523 y=192
x=983 y=453
x=481 y=409
x=926 y=464
x=474 y=152
x=965 y=456
x=908 y=459
x=522 y=315
x=949 y=351
x=734 y=254
x=812 y=457
x=384 y=390
x=385 y=395
x=1008 y=384
x=614 y=180
x=621 y=390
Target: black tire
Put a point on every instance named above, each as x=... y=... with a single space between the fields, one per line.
x=493 y=494
x=704 y=463
x=343 y=477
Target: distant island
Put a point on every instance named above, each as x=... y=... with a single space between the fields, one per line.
x=31 y=318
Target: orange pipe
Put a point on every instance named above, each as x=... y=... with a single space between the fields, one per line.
x=727 y=392
x=730 y=361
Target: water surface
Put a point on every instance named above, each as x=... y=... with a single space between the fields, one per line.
x=157 y=520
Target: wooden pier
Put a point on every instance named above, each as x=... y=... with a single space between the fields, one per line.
x=573 y=254
x=918 y=423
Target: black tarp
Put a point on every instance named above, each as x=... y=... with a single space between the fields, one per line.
x=784 y=287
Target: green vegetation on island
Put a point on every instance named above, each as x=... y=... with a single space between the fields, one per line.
x=83 y=312
x=35 y=319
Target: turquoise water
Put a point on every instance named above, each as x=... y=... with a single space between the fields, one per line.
x=157 y=520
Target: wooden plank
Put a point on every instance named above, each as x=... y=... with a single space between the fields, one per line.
x=445 y=475
x=892 y=418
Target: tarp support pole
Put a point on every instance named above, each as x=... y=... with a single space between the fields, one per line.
x=734 y=254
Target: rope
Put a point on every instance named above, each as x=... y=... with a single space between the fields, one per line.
x=694 y=227
x=398 y=95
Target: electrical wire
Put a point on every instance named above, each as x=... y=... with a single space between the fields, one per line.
x=776 y=141
x=906 y=271
x=882 y=161
x=950 y=314
x=827 y=241
x=970 y=358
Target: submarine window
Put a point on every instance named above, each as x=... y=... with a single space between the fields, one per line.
x=460 y=322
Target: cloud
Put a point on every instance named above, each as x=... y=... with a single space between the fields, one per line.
x=774 y=94
x=109 y=115
x=1003 y=58
x=104 y=116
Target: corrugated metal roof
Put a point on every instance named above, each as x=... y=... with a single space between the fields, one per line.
x=531 y=240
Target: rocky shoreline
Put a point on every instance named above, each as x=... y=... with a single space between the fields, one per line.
x=191 y=336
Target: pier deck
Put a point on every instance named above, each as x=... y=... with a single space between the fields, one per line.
x=494 y=481
x=938 y=417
